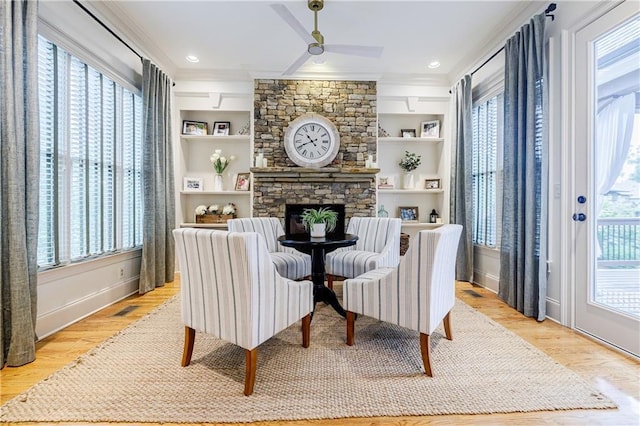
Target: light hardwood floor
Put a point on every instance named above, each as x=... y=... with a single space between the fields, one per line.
x=614 y=374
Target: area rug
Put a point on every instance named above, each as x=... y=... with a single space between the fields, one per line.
x=136 y=375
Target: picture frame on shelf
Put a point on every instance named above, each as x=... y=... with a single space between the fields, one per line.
x=243 y=182
x=408 y=214
x=432 y=184
x=192 y=184
x=408 y=133
x=430 y=129
x=385 y=182
x=221 y=128
x=194 y=128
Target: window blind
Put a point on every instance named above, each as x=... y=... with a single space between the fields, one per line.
x=90 y=176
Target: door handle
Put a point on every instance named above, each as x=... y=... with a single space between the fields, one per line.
x=582 y=199
x=579 y=217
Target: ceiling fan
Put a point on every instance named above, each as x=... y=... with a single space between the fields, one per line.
x=315 y=39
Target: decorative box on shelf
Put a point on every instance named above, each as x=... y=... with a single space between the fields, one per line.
x=214 y=218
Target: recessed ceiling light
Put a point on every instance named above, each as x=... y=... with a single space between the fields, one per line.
x=193 y=58
x=318 y=61
x=434 y=64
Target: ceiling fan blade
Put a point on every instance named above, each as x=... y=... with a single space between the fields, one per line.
x=297 y=64
x=348 y=49
x=293 y=22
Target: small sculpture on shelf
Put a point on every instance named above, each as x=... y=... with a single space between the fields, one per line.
x=433 y=217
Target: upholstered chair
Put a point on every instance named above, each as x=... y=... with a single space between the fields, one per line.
x=230 y=289
x=418 y=294
x=289 y=262
x=378 y=246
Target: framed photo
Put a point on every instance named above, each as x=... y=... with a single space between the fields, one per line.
x=430 y=129
x=432 y=184
x=408 y=133
x=408 y=214
x=192 y=184
x=243 y=181
x=197 y=128
x=221 y=128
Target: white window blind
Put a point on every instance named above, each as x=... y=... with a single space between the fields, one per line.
x=90 y=166
x=487 y=135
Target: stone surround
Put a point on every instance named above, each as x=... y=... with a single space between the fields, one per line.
x=351 y=106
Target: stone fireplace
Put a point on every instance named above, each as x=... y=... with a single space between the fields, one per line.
x=351 y=106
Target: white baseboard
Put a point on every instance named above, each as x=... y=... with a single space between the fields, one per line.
x=488 y=281
x=70 y=313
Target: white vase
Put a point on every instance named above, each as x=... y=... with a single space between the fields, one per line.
x=408 y=181
x=217 y=183
x=318 y=230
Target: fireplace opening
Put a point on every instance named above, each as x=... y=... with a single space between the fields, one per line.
x=293 y=222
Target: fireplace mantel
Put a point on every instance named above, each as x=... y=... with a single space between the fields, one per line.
x=325 y=174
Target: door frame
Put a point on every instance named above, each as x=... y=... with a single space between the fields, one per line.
x=569 y=193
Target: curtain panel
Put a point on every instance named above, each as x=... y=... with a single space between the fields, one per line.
x=158 y=250
x=461 y=197
x=523 y=279
x=19 y=169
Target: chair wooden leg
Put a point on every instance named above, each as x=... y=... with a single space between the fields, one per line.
x=447 y=326
x=250 y=365
x=330 y=281
x=425 y=350
x=189 y=337
x=351 y=319
x=306 y=330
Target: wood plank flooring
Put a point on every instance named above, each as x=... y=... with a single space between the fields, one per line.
x=616 y=375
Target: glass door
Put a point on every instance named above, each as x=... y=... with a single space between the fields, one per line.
x=607 y=178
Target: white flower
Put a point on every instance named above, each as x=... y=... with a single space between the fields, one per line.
x=213 y=208
x=229 y=209
x=200 y=210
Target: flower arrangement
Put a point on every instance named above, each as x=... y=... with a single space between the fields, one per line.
x=214 y=213
x=410 y=162
x=219 y=161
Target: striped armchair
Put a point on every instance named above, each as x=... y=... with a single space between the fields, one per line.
x=289 y=262
x=418 y=294
x=230 y=289
x=378 y=246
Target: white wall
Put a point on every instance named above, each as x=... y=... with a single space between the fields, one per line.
x=70 y=293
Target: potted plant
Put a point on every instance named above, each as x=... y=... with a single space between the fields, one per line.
x=408 y=164
x=319 y=221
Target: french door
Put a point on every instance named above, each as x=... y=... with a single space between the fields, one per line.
x=607 y=178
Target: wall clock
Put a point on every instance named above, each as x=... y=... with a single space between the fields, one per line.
x=311 y=140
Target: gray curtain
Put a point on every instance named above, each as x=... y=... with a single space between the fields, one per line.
x=461 y=204
x=523 y=280
x=158 y=252
x=19 y=176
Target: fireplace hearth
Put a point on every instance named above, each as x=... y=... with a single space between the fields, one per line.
x=293 y=224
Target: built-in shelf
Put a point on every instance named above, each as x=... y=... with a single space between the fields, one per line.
x=247 y=193
x=410 y=191
x=420 y=224
x=236 y=138
x=203 y=225
x=395 y=139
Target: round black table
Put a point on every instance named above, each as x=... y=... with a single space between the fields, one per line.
x=317 y=248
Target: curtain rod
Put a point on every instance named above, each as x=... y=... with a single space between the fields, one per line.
x=107 y=28
x=547 y=12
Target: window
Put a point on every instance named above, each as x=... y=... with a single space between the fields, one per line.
x=90 y=161
x=487 y=139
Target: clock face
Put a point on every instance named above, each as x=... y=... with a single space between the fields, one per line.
x=312 y=141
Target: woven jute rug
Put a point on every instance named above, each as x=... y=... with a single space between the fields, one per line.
x=136 y=375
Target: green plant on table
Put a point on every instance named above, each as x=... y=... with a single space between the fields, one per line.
x=324 y=215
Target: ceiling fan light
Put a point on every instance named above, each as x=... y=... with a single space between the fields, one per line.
x=315 y=49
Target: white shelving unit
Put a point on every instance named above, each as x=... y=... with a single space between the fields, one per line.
x=194 y=162
x=391 y=149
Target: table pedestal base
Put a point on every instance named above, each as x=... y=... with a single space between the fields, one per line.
x=328 y=296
